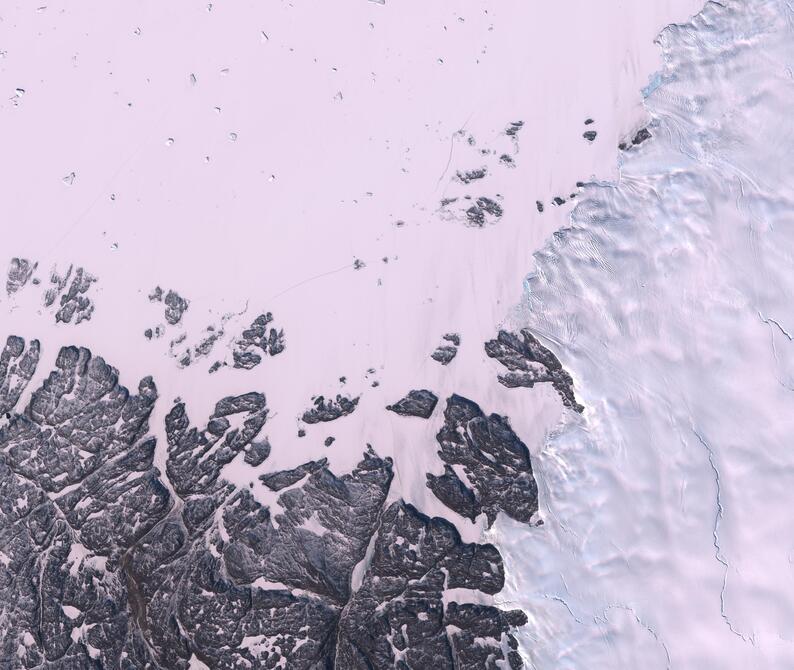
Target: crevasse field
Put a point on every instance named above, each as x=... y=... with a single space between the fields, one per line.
x=668 y=538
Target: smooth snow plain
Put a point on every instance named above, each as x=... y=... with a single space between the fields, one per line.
x=668 y=542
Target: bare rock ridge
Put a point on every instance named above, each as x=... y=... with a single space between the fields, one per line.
x=530 y=363
x=108 y=562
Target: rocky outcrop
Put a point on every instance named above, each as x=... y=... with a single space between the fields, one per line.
x=105 y=562
x=494 y=465
x=73 y=304
x=530 y=363
x=276 y=481
x=20 y=270
x=399 y=619
x=484 y=210
x=416 y=403
x=175 y=307
x=17 y=366
x=445 y=353
x=258 y=340
x=329 y=410
x=175 y=304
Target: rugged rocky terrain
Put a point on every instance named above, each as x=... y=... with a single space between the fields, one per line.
x=530 y=363
x=107 y=562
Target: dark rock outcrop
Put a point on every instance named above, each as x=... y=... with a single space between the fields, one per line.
x=276 y=481
x=74 y=304
x=175 y=307
x=17 y=366
x=20 y=270
x=329 y=410
x=468 y=176
x=256 y=341
x=494 y=461
x=640 y=136
x=513 y=127
x=105 y=562
x=531 y=363
x=416 y=403
x=444 y=354
x=398 y=618
x=484 y=210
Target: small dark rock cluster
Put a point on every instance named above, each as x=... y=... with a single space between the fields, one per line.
x=66 y=293
x=329 y=410
x=513 y=127
x=468 y=176
x=530 y=363
x=559 y=200
x=589 y=135
x=258 y=340
x=20 y=270
x=472 y=208
x=444 y=353
x=641 y=135
x=73 y=303
x=416 y=403
x=175 y=304
x=484 y=210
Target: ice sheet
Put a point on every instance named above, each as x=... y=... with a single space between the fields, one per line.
x=668 y=540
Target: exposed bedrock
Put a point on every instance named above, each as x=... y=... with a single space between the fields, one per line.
x=20 y=270
x=329 y=410
x=488 y=468
x=398 y=618
x=530 y=363
x=105 y=562
x=419 y=403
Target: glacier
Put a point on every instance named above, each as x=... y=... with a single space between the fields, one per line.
x=668 y=299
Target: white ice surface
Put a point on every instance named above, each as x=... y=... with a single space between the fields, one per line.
x=668 y=538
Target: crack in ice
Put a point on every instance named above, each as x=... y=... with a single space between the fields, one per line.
x=770 y=320
x=641 y=622
x=565 y=604
x=716 y=537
